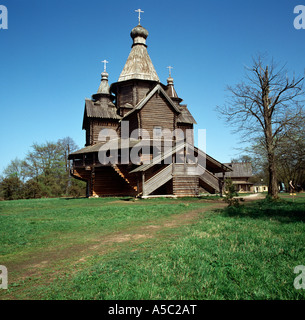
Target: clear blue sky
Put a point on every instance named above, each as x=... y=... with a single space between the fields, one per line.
x=50 y=59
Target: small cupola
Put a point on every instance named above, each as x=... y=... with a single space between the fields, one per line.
x=170 y=90
x=103 y=89
x=139 y=35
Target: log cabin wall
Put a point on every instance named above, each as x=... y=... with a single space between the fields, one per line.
x=167 y=188
x=124 y=110
x=81 y=174
x=185 y=185
x=189 y=137
x=98 y=125
x=133 y=92
x=133 y=179
x=142 y=88
x=125 y=95
x=108 y=183
x=88 y=135
x=134 y=122
x=157 y=113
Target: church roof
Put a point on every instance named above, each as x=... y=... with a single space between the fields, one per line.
x=239 y=170
x=185 y=116
x=101 y=106
x=112 y=144
x=100 y=109
x=138 y=64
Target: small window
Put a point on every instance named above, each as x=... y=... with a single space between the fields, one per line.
x=157 y=132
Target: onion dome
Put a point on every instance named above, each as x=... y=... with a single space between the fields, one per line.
x=103 y=89
x=139 y=31
x=138 y=64
x=104 y=86
x=170 y=90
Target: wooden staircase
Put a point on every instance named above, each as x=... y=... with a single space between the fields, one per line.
x=209 y=182
x=121 y=174
x=80 y=174
x=158 y=180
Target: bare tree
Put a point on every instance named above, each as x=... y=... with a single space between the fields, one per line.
x=67 y=145
x=266 y=106
x=15 y=168
x=291 y=158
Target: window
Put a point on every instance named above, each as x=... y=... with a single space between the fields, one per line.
x=157 y=132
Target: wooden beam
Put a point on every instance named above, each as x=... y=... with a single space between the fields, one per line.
x=92 y=181
x=143 y=183
x=222 y=183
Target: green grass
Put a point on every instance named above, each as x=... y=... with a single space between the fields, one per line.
x=113 y=248
x=32 y=224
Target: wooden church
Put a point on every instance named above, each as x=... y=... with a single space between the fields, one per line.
x=141 y=100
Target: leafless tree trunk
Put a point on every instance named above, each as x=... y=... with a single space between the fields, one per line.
x=68 y=145
x=266 y=105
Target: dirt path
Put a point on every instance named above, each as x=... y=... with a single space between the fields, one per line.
x=56 y=260
x=34 y=265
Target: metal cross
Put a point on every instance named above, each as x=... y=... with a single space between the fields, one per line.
x=139 y=11
x=169 y=70
x=104 y=61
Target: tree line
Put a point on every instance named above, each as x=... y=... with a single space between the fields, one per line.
x=44 y=172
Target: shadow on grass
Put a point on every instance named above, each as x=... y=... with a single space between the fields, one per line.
x=110 y=198
x=74 y=198
x=282 y=211
x=128 y=199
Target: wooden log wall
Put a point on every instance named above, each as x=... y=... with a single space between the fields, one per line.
x=166 y=189
x=98 y=125
x=125 y=95
x=82 y=174
x=133 y=92
x=132 y=178
x=185 y=185
x=189 y=138
x=157 y=113
x=133 y=122
x=141 y=91
x=109 y=183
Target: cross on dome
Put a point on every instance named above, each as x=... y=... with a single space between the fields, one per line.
x=169 y=70
x=104 y=61
x=139 y=11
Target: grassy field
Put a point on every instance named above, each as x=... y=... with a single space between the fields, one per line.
x=116 y=248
